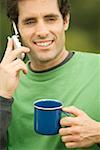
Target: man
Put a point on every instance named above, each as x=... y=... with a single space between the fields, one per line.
x=52 y=72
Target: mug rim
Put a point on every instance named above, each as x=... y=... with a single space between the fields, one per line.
x=42 y=108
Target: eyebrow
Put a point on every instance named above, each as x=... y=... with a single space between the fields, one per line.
x=51 y=15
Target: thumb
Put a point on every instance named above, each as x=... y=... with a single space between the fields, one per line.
x=73 y=110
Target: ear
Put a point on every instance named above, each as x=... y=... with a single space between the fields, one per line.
x=66 y=22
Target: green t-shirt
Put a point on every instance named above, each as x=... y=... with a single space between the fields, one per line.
x=77 y=82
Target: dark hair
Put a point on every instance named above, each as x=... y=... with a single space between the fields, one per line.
x=64 y=7
x=12 y=8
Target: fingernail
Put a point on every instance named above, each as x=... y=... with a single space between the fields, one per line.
x=28 y=50
x=8 y=37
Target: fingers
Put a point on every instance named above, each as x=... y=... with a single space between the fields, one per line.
x=77 y=134
x=17 y=52
x=9 y=46
x=18 y=65
x=9 y=57
x=75 y=120
x=11 y=54
x=65 y=131
x=68 y=121
x=69 y=138
x=14 y=67
x=73 y=110
x=71 y=144
x=77 y=144
x=68 y=131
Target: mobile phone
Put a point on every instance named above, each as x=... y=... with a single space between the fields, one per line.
x=17 y=43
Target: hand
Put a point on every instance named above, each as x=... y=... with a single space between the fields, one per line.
x=10 y=68
x=81 y=130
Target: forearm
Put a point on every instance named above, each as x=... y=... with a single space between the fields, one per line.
x=5 y=117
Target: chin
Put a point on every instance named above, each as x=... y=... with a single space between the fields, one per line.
x=47 y=58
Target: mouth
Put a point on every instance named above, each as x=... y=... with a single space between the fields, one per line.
x=44 y=44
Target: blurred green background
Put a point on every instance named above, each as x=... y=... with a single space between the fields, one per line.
x=83 y=33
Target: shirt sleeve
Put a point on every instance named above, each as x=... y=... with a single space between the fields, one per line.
x=5 y=117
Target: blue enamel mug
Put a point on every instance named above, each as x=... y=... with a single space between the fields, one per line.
x=47 y=115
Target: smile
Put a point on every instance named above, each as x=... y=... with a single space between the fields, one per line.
x=44 y=43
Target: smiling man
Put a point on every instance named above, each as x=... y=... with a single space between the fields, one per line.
x=51 y=72
x=43 y=31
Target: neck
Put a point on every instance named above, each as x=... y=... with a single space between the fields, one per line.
x=40 y=66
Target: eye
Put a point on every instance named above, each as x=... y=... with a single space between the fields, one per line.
x=51 y=19
x=29 y=22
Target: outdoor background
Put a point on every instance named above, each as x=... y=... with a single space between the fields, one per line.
x=83 y=33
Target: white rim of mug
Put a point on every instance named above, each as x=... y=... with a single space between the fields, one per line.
x=42 y=108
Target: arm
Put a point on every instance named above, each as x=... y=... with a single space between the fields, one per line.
x=82 y=131
x=5 y=117
x=10 y=68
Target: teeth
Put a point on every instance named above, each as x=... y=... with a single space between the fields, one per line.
x=43 y=43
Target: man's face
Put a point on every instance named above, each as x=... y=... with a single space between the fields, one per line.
x=42 y=28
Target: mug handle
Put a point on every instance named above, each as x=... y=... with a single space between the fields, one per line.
x=66 y=114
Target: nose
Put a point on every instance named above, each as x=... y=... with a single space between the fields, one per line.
x=42 y=30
